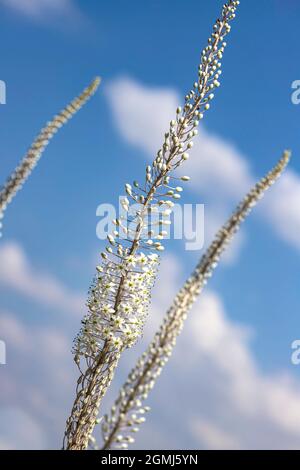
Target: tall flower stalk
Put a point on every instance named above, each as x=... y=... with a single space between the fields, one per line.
x=16 y=180
x=128 y=410
x=120 y=295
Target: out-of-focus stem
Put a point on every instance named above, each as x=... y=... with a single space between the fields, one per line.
x=16 y=180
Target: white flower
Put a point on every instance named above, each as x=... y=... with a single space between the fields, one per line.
x=126 y=308
x=116 y=341
x=118 y=322
x=142 y=259
x=106 y=332
x=107 y=309
x=131 y=260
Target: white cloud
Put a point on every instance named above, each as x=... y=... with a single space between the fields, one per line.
x=20 y=429
x=41 y=9
x=142 y=113
x=37 y=384
x=17 y=274
x=222 y=398
x=283 y=207
x=210 y=328
x=14 y=332
x=212 y=386
x=212 y=394
x=219 y=171
x=250 y=395
x=213 y=437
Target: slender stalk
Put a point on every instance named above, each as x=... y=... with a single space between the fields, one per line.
x=120 y=295
x=16 y=180
x=127 y=412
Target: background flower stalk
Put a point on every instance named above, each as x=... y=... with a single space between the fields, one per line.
x=16 y=180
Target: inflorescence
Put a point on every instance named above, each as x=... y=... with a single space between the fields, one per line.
x=120 y=295
x=126 y=273
x=16 y=180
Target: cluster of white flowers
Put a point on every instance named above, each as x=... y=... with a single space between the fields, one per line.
x=16 y=180
x=119 y=325
x=128 y=412
x=101 y=340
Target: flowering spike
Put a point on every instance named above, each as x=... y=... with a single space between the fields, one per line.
x=16 y=180
x=123 y=282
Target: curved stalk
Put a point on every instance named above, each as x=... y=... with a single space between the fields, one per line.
x=16 y=180
x=108 y=327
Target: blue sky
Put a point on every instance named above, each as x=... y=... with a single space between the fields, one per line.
x=149 y=52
